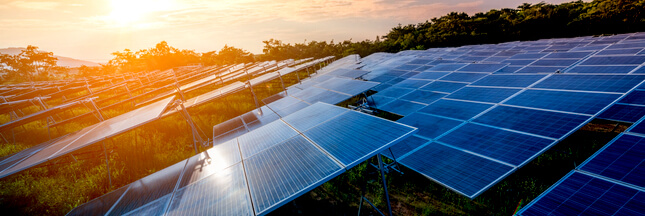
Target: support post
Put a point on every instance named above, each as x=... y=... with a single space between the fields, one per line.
x=282 y=83
x=107 y=163
x=257 y=105
x=196 y=136
x=387 y=196
x=97 y=110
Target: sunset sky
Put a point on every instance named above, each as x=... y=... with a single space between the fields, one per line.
x=92 y=29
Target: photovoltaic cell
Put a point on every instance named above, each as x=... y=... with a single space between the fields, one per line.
x=446 y=67
x=441 y=86
x=402 y=107
x=622 y=160
x=404 y=147
x=528 y=56
x=491 y=95
x=580 y=194
x=311 y=116
x=463 y=77
x=619 y=51
x=347 y=86
x=540 y=69
x=623 y=112
x=101 y=205
x=394 y=92
x=455 y=109
x=545 y=123
x=520 y=62
x=429 y=75
x=564 y=55
x=510 y=147
x=614 y=60
x=454 y=168
x=224 y=193
x=509 y=80
x=577 y=102
x=412 y=83
x=355 y=137
x=264 y=137
x=378 y=101
x=603 y=83
x=635 y=97
x=602 y=69
x=212 y=161
x=301 y=166
x=638 y=128
x=482 y=67
x=422 y=96
x=429 y=126
x=554 y=62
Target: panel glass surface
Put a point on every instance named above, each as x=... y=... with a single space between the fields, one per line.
x=509 y=80
x=545 y=123
x=510 y=147
x=402 y=107
x=603 y=83
x=578 y=102
x=264 y=137
x=440 y=86
x=483 y=67
x=313 y=115
x=463 y=77
x=292 y=167
x=455 y=109
x=455 y=169
x=622 y=160
x=614 y=60
x=491 y=95
x=623 y=112
x=429 y=126
x=422 y=96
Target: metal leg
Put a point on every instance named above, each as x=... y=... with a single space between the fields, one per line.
x=387 y=196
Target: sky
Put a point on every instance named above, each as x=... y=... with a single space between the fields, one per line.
x=93 y=29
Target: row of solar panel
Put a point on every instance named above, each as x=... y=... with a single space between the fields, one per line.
x=611 y=182
x=258 y=171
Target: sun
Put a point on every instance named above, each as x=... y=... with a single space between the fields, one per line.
x=131 y=11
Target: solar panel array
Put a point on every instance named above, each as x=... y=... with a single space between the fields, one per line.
x=516 y=101
x=260 y=170
x=611 y=182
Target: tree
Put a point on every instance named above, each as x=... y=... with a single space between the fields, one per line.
x=30 y=64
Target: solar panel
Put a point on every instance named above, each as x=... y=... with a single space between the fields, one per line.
x=442 y=86
x=508 y=80
x=402 y=107
x=448 y=165
x=554 y=62
x=92 y=134
x=394 y=92
x=603 y=83
x=602 y=69
x=510 y=147
x=614 y=60
x=447 y=67
x=482 y=67
x=483 y=94
x=545 y=123
x=577 y=102
x=455 y=109
x=623 y=112
x=622 y=160
x=463 y=77
x=580 y=194
x=429 y=126
x=429 y=75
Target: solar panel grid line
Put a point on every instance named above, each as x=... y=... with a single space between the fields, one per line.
x=246 y=178
x=177 y=186
x=612 y=180
x=549 y=110
x=119 y=200
x=314 y=143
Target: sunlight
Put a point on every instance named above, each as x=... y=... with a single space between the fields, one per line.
x=130 y=11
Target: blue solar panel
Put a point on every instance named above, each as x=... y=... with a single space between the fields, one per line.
x=378 y=101
x=578 y=102
x=622 y=159
x=491 y=95
x=635 y=97
x=422 y=68
x=638 y=128
x=509 y=80
x=554 y=62
x=446 y=67
x=429 y=75
x=440 y=86
x=405 y=146
x=602 y=69
x=420 y=61
x=640 y=70
x=509 y=69
x=639 y=45
x=519 y=62
x=540 y=69
x=425 y=97
x=394 y=92
x=412 y=83
x=264 y=137
x=604 y=83
x=623 y=112
x=456 y=169
x=225 y=193
x=619 y=51
x=311 y=116
x=382 y=78
x=455 y=109
x=463 y=77
x=402 y=107
x=614 y=60
x=510 y=147
x=429 y=126
x=580 y=194
x=545 y=123
x=301 y=167
x=528 y=56
x=356 y=137
x=347 y=86
x=561 y=55
x=482 y=67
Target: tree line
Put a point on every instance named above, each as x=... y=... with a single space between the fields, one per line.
x=526 y=22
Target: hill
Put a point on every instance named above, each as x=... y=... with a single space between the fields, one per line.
x=62 y=60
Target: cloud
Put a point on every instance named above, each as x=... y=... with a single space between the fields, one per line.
x=43 y=5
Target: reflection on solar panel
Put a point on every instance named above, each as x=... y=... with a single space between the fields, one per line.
x=290 y=163
x=91 y=135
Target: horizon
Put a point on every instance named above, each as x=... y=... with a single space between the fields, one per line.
x=91 y=31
